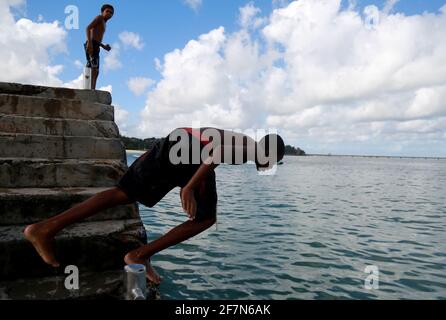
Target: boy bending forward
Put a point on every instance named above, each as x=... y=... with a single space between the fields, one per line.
x=186 y=158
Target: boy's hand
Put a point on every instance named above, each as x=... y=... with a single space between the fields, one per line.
x=188 y=202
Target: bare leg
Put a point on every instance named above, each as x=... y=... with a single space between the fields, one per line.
x=94 y=77
x=42 y=234
x=178 y=234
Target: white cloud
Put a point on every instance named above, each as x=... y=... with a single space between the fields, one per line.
x=108 y=88
x=280 y=3
x=193 y=4
x=249 y=18
x=121 y=119
x=78 y=64
x=77 y=83
x=317 y=72
x=27 y=47
x=127 y=40
x=190 y=87
x=340 y=62
x=112 y=61
x=389 y=5
x=139 y=85
x=131 y=40
x=352 y=5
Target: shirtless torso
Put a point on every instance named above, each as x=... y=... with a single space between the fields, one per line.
x=97 y=29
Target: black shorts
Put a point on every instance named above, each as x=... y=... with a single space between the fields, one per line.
x=152 y=176
x=93 y=61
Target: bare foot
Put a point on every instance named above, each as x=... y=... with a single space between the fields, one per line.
x=42 y=242
x=151 y=274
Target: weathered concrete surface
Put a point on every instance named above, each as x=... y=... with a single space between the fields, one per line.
x=92 y=286
x=45 y=173
x=60 y=147
x=91 y=246
x=31 y=205
x=54 y=108
x=58 y=127
x=57 y=93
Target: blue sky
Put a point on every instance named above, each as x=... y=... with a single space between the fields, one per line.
x=168 y=25
x=164 y=26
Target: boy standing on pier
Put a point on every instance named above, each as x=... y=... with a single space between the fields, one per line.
x=95 y=34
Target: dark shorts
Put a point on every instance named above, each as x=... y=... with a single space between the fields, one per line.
x=93 y=61
x=152 y=176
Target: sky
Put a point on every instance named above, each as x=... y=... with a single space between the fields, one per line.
x=365 y=77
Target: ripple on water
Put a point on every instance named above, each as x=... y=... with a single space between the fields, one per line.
x=310 y=231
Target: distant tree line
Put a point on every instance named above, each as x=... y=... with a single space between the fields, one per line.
x=146 y=144
x=292 y=151
x=137 y=144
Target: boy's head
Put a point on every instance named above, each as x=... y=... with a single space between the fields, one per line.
x=272 y=150
x=107 y=11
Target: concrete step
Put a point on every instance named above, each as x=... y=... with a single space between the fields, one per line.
x=60 y=147
x=30 y=106
x=57 y=93
x=45 y=173
x=107 y=285
x=58 y=127
x=91 y=246
x=31 y=205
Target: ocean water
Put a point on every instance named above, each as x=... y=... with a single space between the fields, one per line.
x=321 y=228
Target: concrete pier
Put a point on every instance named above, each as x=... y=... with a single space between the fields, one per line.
x=58 y=147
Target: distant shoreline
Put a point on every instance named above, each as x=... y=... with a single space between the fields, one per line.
x=371 y=156
x=338 y=155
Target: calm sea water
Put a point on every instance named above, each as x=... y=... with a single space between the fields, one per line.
x=310 y=232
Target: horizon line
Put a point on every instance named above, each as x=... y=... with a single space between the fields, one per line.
x=373 y=156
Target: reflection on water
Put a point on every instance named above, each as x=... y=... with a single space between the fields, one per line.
x=310 y=231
